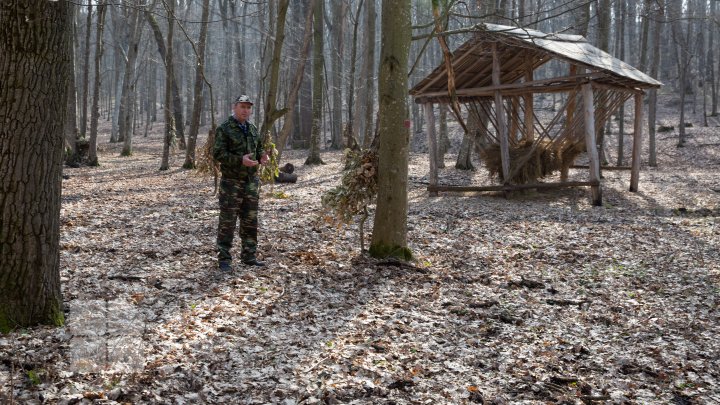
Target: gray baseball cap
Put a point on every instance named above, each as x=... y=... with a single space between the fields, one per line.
x=243 y=99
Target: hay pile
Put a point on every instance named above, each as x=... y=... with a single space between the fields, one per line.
x=536 y=161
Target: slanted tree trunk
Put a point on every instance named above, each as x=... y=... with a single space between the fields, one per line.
x=389 y=236
x=198 y=89
x=317 y=95
x=34 y=54
x=95 y=110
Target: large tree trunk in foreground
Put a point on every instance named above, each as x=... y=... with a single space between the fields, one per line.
x=389 y=237
x=34 y=57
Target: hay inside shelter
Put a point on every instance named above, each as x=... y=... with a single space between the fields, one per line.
x=531 y=161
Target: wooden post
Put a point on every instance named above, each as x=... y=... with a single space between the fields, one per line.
x=500 y=116
x=432 y=148
x=589 y=115
x=637 y=143
x=529 y=107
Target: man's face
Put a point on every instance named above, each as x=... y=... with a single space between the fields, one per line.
x=242 y=111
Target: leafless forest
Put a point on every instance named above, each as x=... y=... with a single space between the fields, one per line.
x=528 y=297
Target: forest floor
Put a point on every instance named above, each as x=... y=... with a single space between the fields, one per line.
x=529 y=298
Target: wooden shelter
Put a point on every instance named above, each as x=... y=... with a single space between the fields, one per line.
x=495 y=71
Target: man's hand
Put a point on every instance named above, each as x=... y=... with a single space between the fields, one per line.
x=248 y=160
x=264 y=158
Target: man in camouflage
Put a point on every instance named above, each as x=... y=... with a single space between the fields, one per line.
x=238 y=149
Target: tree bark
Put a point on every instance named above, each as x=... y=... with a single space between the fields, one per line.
x=34 y=54
x=317 y=92
x=389 y=237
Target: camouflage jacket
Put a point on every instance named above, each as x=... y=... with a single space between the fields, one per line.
x=231 y=143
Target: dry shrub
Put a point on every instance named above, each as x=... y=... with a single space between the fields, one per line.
x=358 y=188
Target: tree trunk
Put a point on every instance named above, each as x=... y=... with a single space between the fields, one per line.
x=683 y=61
x=198 y=90
x=71 y=129
x=86 y=73
x=34 y=54
x=370 y=70
x=604 y=8
x=169 y=78
x=350 y=139
x=302 y=57
x=317 y=95
x=127 y=98
x=710 y=68
x=95 y=110
x=271 y=111
x=176 y=100
x=654 y=67
x=621 y=55
x=339 y=9
x=389 y=237
x=444 y=140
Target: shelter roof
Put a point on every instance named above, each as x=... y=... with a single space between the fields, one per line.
x=521 y=50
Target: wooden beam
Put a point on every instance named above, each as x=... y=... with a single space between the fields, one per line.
x=637 y=143
x=611 y=168
x=514 y=187
x=535 y=86
x=500 y=117
x=432 y=146
x=590 y=144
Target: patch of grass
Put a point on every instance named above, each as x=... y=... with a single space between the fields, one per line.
x=34 y=376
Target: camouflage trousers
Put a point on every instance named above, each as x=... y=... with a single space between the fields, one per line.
x=238 y=199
